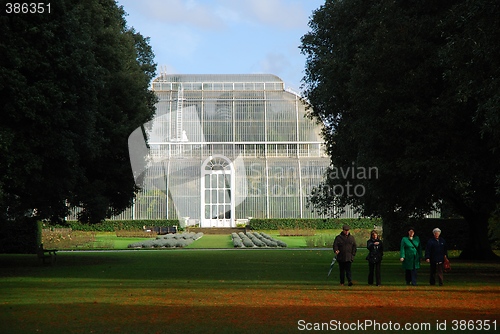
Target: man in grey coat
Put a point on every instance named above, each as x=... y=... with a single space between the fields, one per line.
x=345 y=248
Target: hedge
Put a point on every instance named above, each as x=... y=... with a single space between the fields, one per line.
x=113 y=225
x=255 y=224
x=319 y=224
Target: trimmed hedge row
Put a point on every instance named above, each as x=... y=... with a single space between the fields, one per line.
x=255 y=224
x=319 y=224
x=113 y=225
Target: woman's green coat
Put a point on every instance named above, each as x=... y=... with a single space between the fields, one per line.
x=410 y=253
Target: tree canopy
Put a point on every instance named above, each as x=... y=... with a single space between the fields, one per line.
x=74 y=83
x=412 y=89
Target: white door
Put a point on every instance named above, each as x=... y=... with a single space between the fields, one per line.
x=216 y=193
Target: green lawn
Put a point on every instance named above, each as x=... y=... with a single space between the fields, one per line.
x=109 y=240
x=228 y=291
x=210 y=241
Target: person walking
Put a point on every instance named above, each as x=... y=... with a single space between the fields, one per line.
x=374 y=257
x=435 y=254
x=345 y=248
x=410 y=253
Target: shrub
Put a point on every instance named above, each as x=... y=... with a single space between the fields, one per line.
x=115 y=225
x=236 y=240
x=256 y=241
x=305 y=224
x=281 y=243
x=148 y=243
x=265 y=240
x=168 y=241
x=246 y=240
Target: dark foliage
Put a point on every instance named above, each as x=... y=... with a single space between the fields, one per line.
x=73 y=86
x=410 y=88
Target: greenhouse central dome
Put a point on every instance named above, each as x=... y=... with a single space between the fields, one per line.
x=227 y=147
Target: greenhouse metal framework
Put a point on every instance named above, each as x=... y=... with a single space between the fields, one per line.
x=223 y=148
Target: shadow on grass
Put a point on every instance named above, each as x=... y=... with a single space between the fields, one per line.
x=109 y=318
x=227 y=292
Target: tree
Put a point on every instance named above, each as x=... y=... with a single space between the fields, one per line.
x=73 y=86
x=397 y=93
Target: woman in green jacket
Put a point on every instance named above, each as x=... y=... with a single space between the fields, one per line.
x=410 y=254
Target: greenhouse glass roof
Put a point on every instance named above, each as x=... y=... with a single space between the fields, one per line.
x=218 y=78
x=218 y=82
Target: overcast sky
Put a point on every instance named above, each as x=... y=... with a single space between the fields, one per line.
x=225 y=36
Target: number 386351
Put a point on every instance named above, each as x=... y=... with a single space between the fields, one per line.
x=27 y=8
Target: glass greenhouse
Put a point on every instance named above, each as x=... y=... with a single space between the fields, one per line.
x=223 y=148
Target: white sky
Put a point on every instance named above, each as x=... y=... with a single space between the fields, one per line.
x=225 y=36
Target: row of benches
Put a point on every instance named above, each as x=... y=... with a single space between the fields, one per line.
x=161 y=229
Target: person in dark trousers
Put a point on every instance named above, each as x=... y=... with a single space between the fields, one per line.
x=374 y=257
x=435 y=254
x=345 y=248
x=410 y=253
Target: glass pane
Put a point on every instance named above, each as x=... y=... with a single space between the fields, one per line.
x=222 y=196
x=221 y=184
x=207 y=196
x=227 y=196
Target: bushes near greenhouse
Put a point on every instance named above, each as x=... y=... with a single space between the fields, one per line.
x=319 y=224
x=255 y=239
x=169 y=241
x=115 y=225
x=254 y=224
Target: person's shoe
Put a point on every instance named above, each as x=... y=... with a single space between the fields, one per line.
x=341 y=284
x=350 y=284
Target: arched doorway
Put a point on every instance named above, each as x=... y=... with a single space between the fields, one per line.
x=217 y=189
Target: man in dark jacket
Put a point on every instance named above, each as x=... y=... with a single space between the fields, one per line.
x=345 y=248
x=435 y=254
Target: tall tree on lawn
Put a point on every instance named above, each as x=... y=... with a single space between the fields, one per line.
x=412 y=88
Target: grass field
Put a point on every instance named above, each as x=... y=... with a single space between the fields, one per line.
x=235 y=291
x=109 y=240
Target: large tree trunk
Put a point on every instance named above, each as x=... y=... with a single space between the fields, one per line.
x=394 y=229
x=478 y=247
